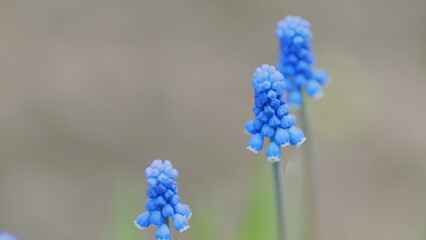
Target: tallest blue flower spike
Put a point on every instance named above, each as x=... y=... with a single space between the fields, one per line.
x=163 y=201
x=296 y=60
x=272 y=118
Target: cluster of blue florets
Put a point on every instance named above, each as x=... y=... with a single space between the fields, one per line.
x=272 y=114
x=296 y=60
x=163 y=201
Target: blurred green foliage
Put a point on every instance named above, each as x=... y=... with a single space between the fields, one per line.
x=127 y=205
x=258 y=220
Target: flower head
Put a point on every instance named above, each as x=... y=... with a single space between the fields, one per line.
x=5 y=235
x=272 y=118
x=296 y=60
x=163 y=201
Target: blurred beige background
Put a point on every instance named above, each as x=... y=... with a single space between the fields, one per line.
x=91 y=91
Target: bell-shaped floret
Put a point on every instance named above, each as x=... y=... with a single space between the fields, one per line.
x=151 y=205
x=163 y=232
x=180 y=222
x=282 y=137
x=321 y=76
x=282 y=110
x=296 y=136
x=255 y=143
x=175 y=200
x=184 y=210
x=253 y=126
x=151 y=193
x=273 y=152
x=313 y=89
x=267 y=131
x=156 y=218
x=167 y=210
x=295 y=98
x=288 y=121
x=142 y=221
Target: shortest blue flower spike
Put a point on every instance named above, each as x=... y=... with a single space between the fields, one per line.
x=5 y=235
x=180 y=222
x=163 y=232
x=163 y=202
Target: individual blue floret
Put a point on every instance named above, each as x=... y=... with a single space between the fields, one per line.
x=163 y=232
x=163 y=201
x=142 y=221
x=296 y=60
x=5 y=235
x=272 y=118
x=180 y=222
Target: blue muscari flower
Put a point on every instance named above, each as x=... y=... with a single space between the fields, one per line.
x=163 y=201
x=272 y=118
x=5 y=235
x=296 y=60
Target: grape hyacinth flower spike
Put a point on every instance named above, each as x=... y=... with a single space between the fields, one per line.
x=296 y=60
x=163 y=202
x=5 y=235
x=272 y=118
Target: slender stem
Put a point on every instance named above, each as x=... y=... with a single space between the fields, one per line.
x=308 y=176
x=279 y=187
x=166 y=221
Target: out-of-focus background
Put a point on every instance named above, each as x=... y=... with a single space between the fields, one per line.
x=92 y=91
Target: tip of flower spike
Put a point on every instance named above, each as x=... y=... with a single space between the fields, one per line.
x=301 y=142
x=273 y=159
x=184 y=229
x=251 y=149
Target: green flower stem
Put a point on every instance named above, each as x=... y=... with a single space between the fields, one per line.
x=279 y=188
x=166 y=221
x=308 y=177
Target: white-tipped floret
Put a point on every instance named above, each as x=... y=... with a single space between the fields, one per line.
x=273 y=159
x=285 y=145
x=251 y=149
x=318 y=95
x=184 y=229
x=301 y=142
x=138 y=226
